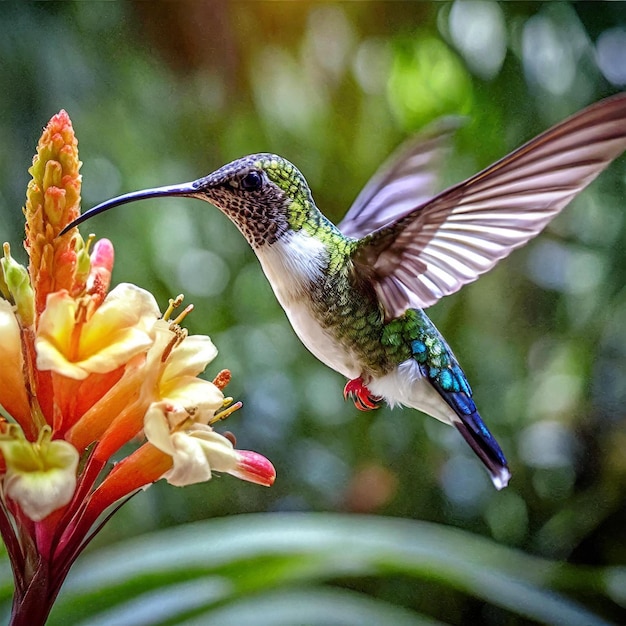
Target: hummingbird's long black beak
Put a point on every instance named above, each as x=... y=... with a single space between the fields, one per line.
x=189 y=190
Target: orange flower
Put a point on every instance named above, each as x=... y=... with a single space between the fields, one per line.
x=88 y=371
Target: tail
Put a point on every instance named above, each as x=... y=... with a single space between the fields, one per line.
x=485 y=447
x=439 y=367
x=471 y=426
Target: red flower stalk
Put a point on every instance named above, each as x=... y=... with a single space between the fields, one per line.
x=87 y=371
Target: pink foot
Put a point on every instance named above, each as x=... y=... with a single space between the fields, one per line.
x=362 y=397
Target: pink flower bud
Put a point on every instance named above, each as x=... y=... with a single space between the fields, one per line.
x=99 y=278
x=254 y=468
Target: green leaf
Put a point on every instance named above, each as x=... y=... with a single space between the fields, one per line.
x=231 y=564
x=282 y=608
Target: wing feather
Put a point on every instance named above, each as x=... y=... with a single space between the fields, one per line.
x=408 y=178
x=450 y=240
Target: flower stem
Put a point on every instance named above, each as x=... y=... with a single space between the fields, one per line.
x=32 y=607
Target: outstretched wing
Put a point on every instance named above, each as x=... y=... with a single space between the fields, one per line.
x=406 y=180
x=464 y=231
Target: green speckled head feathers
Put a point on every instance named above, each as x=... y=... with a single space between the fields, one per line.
x=265 y=196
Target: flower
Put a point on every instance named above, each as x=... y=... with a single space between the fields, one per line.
x=71 y=342
x=197 y=450
x=13 y=390
x=87 y=371
x=40 y=477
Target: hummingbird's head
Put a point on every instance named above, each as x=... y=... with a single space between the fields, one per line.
x=263 y=194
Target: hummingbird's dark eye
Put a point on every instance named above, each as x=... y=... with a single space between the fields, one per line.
x=252 y=181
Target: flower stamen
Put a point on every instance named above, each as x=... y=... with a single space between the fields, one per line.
x=222 y=379
x=179 y=336
x=227 y=411
x=79 y=320
x=188 y=309
x=90 y=239
x=174 y=303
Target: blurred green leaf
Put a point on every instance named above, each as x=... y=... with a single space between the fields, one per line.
x=226 y=565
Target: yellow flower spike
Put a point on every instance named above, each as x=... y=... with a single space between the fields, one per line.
x=52 y=201
x=53 y=174
x=40 y=477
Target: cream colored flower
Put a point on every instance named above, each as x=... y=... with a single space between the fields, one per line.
x=83 y=371
x=197 y=450
x=40 y=476
x=117 y=330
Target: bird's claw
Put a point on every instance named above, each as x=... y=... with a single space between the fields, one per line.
x=362 y=397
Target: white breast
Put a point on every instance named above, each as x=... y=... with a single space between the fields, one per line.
x=291 y=264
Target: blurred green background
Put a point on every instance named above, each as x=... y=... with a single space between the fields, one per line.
x=164 y=92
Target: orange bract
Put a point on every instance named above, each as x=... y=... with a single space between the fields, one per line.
x=52 y=201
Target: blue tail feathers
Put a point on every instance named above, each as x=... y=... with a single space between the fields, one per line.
x=471 y=426
x=485 y=447
x=438 y=365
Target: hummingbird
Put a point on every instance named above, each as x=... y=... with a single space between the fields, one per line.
x=355 y=292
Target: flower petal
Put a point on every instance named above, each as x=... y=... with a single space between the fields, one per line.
x=125 y=306
x=200 y=398
x=101 y=267
x=118 y=330
x=124 y=344
x=157 y=428
x=198 y=452
x=254 y=468
x=41 y=476
x=190 y=357
x=13 y=395
x=49 y=357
